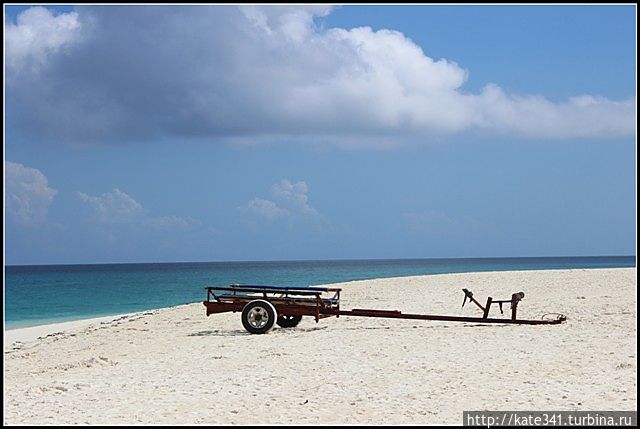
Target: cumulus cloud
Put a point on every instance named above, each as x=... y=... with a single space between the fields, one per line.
x=106 y=74
x=27 y=194
x=113 y=207
x=266 y=208
x=118 y=207
x=293 y=195
x=37 y=35
x=292 y=200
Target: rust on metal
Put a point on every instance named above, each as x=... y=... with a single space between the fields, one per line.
x=469 y=295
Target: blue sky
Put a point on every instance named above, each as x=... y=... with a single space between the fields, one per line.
x=307 y=133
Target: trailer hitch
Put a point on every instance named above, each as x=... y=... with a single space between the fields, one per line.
x=515 y=299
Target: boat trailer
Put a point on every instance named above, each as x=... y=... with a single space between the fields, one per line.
x=263 y=306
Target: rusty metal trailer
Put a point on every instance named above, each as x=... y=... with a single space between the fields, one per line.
x=263 y=306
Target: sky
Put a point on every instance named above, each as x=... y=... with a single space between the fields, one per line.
x=211 y=133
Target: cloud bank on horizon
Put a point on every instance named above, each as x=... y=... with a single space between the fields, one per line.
x=122 y=74
x=27 y=194
x=118 y=207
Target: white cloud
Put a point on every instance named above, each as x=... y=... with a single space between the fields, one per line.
x=38 y=34
x=114 y=207
x=292 y=200
x=293 y=195
x=28 y=195
x=265 y=208
x=117 y=207
x=263 y=71
x=293 y=23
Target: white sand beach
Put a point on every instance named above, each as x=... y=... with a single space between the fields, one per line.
x=177 y=366
x=15 y=337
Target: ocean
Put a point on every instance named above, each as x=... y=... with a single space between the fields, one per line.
x=41 y=294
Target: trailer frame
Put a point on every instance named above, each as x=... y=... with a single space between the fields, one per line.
x=322 y=302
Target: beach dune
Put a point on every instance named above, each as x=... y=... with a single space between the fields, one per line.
x=176 y=365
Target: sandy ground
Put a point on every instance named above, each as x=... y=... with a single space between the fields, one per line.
x=13 y=338
x=176 y=365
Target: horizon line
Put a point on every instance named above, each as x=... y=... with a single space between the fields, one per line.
x=320 y=260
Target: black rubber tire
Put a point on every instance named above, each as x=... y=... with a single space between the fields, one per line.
x=285 y=321
x=259 y=316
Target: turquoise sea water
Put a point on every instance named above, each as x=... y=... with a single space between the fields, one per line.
x=43 y=294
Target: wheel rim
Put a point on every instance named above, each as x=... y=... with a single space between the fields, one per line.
x=258 y=317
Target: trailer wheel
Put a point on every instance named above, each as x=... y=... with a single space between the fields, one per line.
x=258 y=316
x=285 y=321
